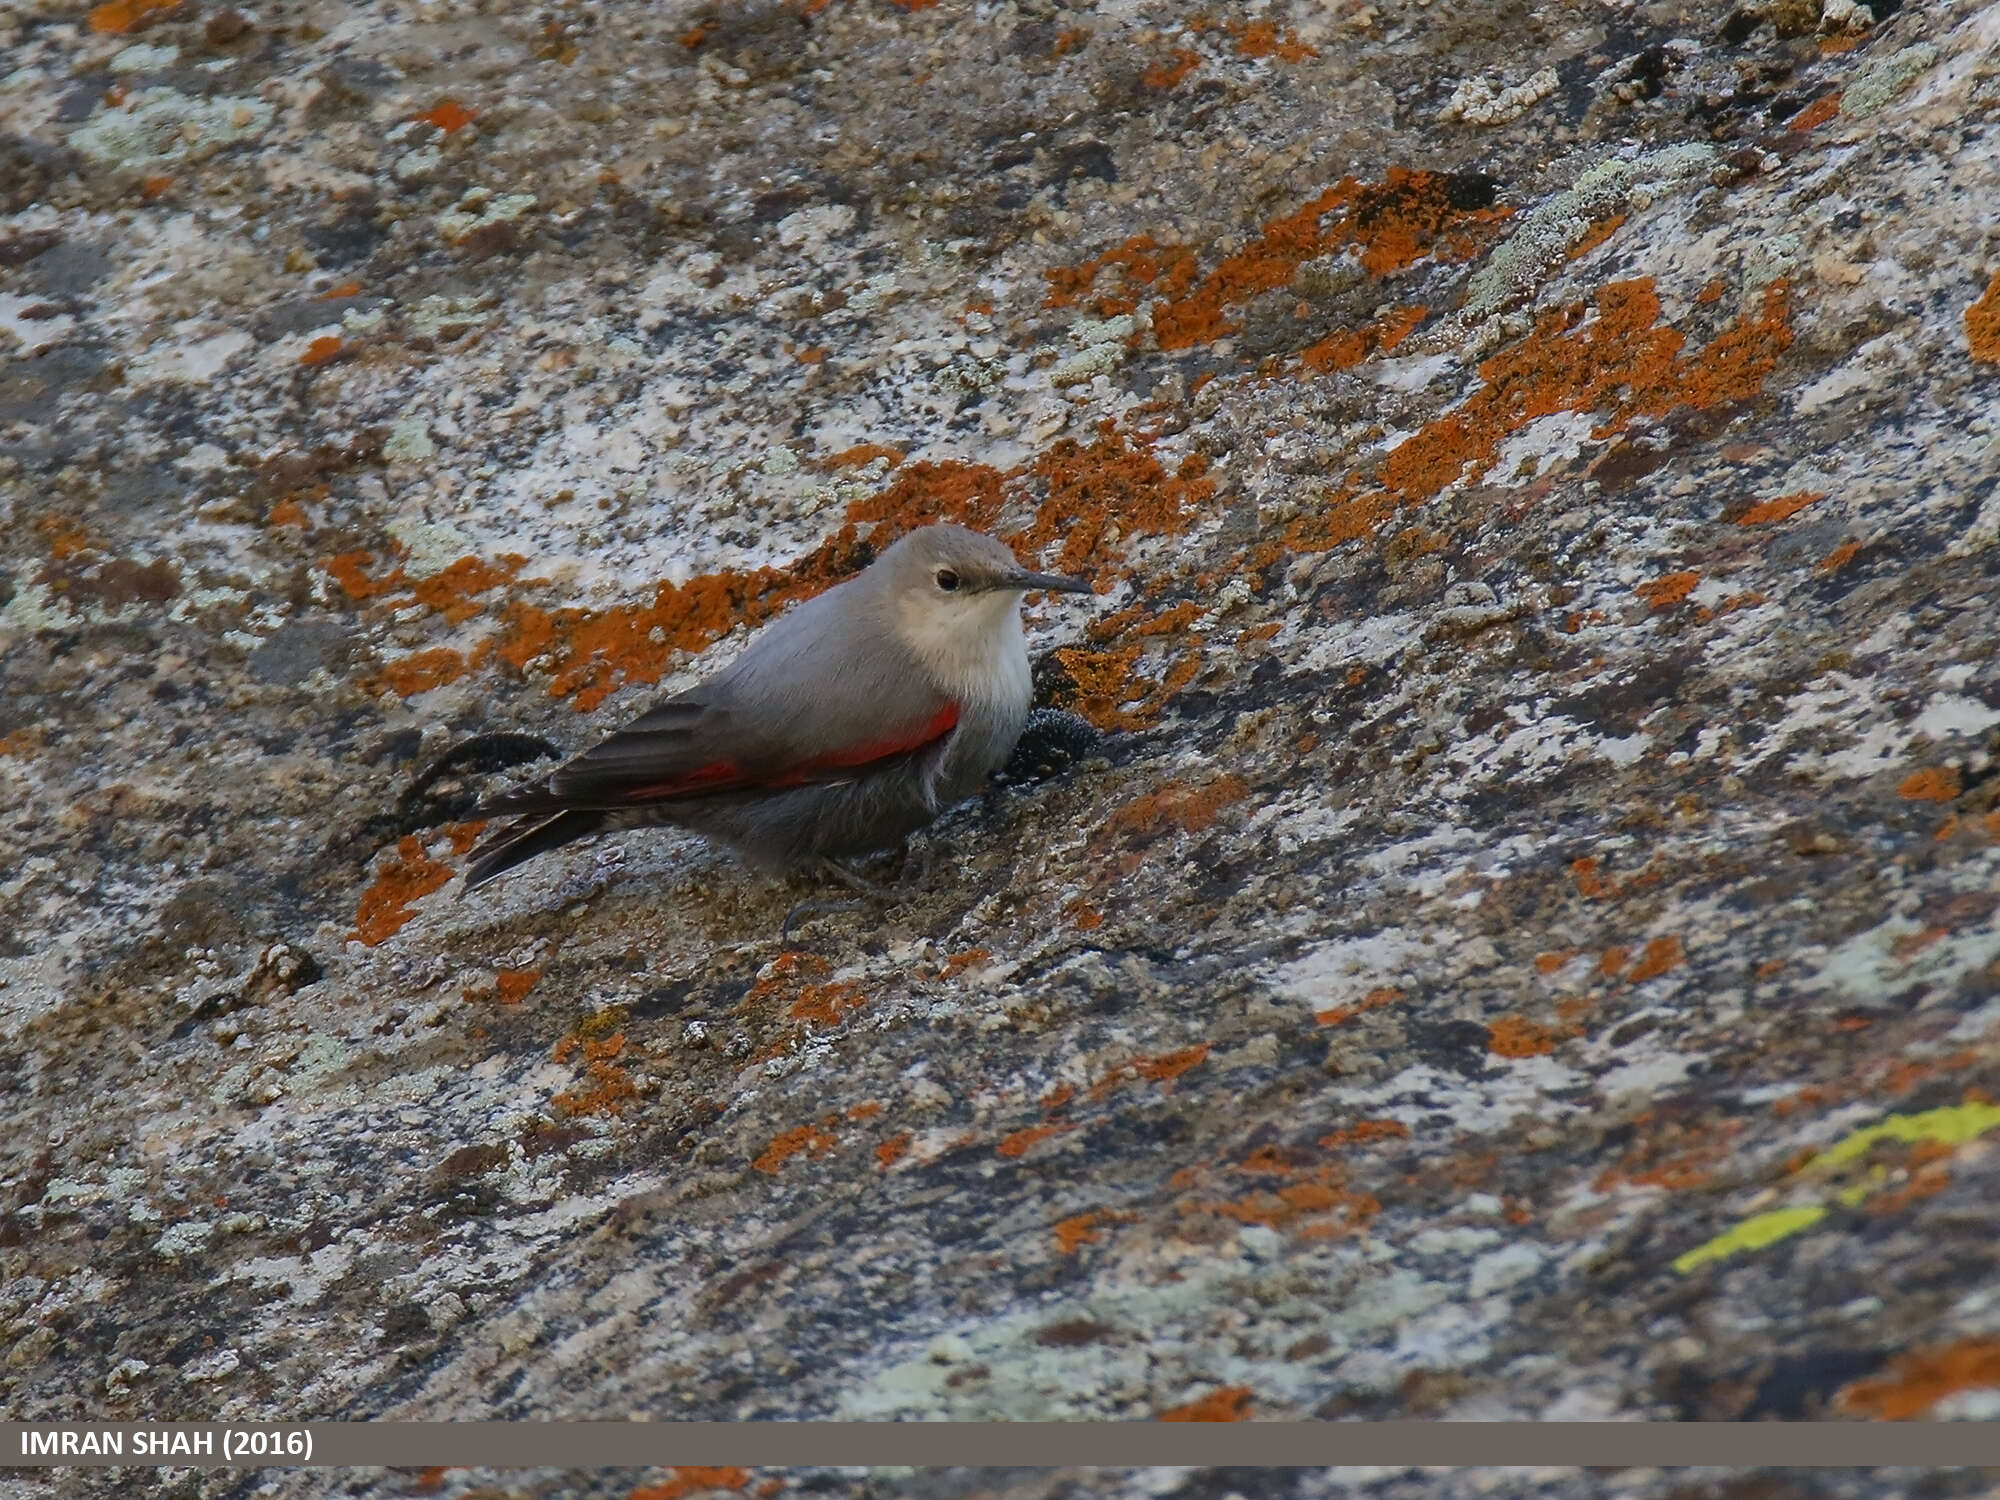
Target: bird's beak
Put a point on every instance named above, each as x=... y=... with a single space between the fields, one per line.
x=1055 y=583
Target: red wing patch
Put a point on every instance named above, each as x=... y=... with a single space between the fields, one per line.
x=716 y=776
x=725 y=776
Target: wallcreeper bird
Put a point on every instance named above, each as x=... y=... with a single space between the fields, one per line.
x=845 y=726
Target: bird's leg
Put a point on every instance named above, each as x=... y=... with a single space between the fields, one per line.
x=814 y=907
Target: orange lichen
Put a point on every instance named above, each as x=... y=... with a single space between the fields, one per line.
x=1165 y=75
x=1110 y=692
x=1022 y=1141
x=780 y=977
x=511 y=986
x=406 y=877
x=1783 y=508
x=1931 y=784
x=1375 y=999
x=336 y=293
x=958 y=963
x=64 y=535
x=1322 y=1196
x=350 y=571
x=448 y=115
x=1388 y=225
x=1911 y=944
x=1668 y=590
x=1548 y=963
x=1189 y=809
x=862 y=454
x=1982 y=325
x=924 y=492
x=1365 y=1133
x=595 y=1045
x=828 y=1004
x=1597 y=234
x=1347 y=516
x=1264 y=39
x=894 y=1149
x=610 y=1086
x=452 y=590
x=1168 y=1066
x=1670 y=1156
x=1661 y=955
x=1229 y=1403
x=288 y=513
x=1073 y=1233
x=1589 y=883
x=808 y=1139
x=1917 y=1381
x=689 y=1479
x=1623 y=363
x=1516 y=1036
x=1349 y=347
x=322 y=350
x=422 y=671
x=1110 y=481
x=1838 y=558
x=1163 y=1070
x=1925 y=1181
x=120 y=16
x=1136 y=621
x=1816 y=113
x=1141 y=262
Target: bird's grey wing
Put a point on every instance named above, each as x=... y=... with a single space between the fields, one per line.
x=688 y=747
x=673 y=748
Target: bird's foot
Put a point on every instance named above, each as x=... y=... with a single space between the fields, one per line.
x=908 y=880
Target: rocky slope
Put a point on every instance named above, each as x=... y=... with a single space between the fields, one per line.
x=1522 y=946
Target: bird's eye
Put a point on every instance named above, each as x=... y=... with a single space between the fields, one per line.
x=947 y=580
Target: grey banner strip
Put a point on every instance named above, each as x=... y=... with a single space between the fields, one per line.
x=490 y=1445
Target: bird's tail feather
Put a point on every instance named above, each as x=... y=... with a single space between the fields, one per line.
x=522 y=840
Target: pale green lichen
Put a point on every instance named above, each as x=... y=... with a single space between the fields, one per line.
x=479 y=209
x=409 y=442
x=141 y=58
x=1884 y=78
x=162 y=125
x=1549 y=231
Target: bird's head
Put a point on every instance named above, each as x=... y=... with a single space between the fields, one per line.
x=953 y=593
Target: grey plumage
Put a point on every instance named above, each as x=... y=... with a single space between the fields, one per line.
x=846 y=725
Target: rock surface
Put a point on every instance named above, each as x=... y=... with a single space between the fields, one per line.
x=1524 y=946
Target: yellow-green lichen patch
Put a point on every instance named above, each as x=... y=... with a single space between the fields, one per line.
x=1947 y=1127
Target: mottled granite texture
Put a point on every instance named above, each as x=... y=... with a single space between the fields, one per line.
x=1524 y=946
